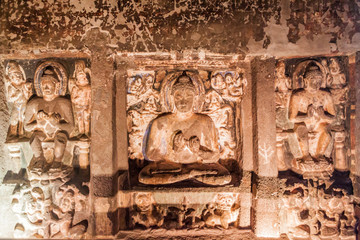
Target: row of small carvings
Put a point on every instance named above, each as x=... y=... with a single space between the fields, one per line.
x=222 y=211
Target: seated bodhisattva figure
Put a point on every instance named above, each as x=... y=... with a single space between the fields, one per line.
x=312 y=110
x=50 y=119
x=183 y=145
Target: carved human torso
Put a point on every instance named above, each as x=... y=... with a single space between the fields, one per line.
x=81 y=95
x=162 y=131
x=57 y=113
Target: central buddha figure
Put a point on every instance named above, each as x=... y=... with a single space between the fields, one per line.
x=183 y=144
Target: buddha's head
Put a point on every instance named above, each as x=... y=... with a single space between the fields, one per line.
x=49 y=87
x=313 y=79
x=183 y=92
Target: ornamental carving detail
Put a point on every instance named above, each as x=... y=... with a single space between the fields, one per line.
x=182 y=124
x=51 y=116
x=311 y=106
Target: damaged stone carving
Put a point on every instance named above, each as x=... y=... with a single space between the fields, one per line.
x=18 y=92
x=189 y=139
x=310 y=117
x=44 y=213
x=50 y=119
x=312 y=210
x=145 y=212
x=312 y=138
x=223 y=211
x=46 y=203
x=80 y=91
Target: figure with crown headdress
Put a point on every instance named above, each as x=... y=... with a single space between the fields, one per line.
x=18 y=92
x=183 y=145
x=80 y=91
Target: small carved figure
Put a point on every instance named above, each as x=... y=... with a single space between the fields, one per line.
x=80 y=91
x=184 y=215
x=49 y=119
x=218 y=82
x=312 y=110
x=222 y=115
x=145 y=211
x=183 y=145
x=18 y=92
x=229 y=84
x=62 y=225
x=31 y=206
x=223 y=212
x=282 y=86
x=338 y=79
x=143 y=106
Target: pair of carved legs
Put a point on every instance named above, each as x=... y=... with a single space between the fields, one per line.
x=170 y=172
x=38 y=160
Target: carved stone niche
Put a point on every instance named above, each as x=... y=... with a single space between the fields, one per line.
x=312 y=107
x=49 y=135
x=184 y=126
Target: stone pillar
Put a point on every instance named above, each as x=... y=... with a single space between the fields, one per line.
x=354 y=75
x=264 y=135
x=102 y=131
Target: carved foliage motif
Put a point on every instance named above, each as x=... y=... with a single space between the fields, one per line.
x=216 y=95
x=311 y=114
x=57 y=130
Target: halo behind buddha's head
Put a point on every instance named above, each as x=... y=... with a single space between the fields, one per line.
x=183 y=82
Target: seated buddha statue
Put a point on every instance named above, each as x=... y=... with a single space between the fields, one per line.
x=183 y=145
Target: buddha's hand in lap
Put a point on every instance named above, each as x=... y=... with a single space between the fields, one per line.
x=179 y=141
x=194 y=144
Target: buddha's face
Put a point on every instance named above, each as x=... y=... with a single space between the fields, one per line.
x=48 y=87
x=314 y=82
x=184 y=99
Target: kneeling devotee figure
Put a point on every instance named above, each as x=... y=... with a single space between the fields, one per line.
x=183 y=145
x=50 y=119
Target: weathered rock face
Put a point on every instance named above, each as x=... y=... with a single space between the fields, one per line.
x=179 y=119
x=220 y=26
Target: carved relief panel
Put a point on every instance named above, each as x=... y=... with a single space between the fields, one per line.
x=312 y=123
x=312 y=107
x=184 y=125
x=49 y=135
x=220 y=211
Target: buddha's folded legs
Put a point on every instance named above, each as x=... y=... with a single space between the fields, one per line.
x=158 y=173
